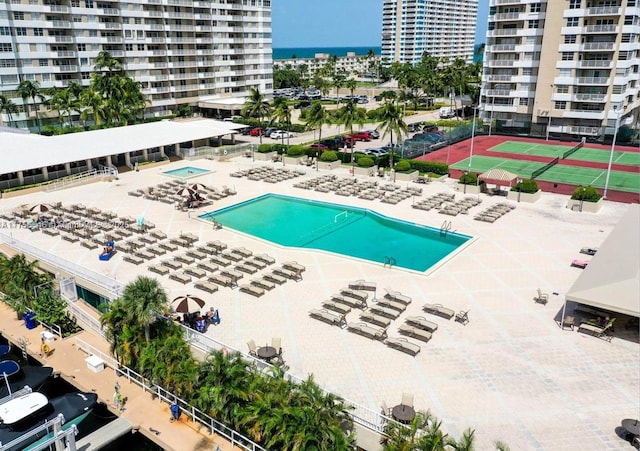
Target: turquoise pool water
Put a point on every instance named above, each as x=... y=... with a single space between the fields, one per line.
x=186 y=172
x=355 y=232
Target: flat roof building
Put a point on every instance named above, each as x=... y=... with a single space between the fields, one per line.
x=443 y=28
x=181 y=52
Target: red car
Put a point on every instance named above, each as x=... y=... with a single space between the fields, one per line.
x=362 y=136
x=318 y=146
x=256 y=131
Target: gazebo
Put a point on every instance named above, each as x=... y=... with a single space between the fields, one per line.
x=498 y=177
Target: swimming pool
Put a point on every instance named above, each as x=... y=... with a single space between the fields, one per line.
x=186 y=172
x=355 y=232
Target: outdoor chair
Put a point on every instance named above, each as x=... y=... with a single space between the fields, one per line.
x=579 y=263
x=385 y=410
x=252 y=290
x=542 y=298
x=252 y=348
x=603 y=332
x=404 y=345
x=407 y=399
x=462 y=317
x=415 y=332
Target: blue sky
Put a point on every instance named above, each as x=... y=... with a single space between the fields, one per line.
x=338 y=23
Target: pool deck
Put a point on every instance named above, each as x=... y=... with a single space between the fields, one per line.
x=511 y=373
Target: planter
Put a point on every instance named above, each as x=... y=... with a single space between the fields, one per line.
x=292 y=160
x=524 y=197
x=369 y=172
x=266 y=156
x=589 y=207
x=407 y=177
x=325 y=165
x=467 y=189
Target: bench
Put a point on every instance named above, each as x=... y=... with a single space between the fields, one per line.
x=272 y=277
x=399 y=306
x=368 y=331
x=216 y=245
x=172 y=264
x=248 y=269
x=184 y=259
x=287 y=273
x=355 y=294
x=133 y=259
x=222 y=280
x=168 y=246
x=195 y=272
x=218 y=260
x=293 y=266
x=196 y=254
x=362 y=285
x=182 y=278
x=351 y=302
x=439 y=310
x=265 y=258
x=207 y=266
x=232 y=274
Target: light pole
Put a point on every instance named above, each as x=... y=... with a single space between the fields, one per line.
x=549 y=113
x=613 y=148
x=491 y=114
x=473 y=135
x=582 y=198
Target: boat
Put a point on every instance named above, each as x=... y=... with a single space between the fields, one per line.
x=26 y=413
x=4 y=350
x=17 y=377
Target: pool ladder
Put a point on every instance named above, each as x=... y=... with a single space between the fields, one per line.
x=389 y=261
x=445 y=228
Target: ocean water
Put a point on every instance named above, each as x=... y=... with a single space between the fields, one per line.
x=310 y=52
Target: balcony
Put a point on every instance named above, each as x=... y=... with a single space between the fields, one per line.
x=65 y=54
x=501 y=48
x=499 y=77
x=110 y=12
x=61 y=24
x=579 y=130
x=500 y=63
x=110 y=25
x=503 y=32
x=585 y=97
x=507 y=2
x=499 y=92
x=63 y=39
x=57 y=9
x=613 y=29
x=597 y=46
x=191 y=87
x=592 y=81
x=584 y=114
x=114 y=39
x=508 y=16
x=604 y=11
x=65 y=68
x=595 y=63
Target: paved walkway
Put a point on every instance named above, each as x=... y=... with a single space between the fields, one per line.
x=511 y=373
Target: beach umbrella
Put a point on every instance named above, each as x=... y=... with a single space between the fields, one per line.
x=40 y=208
x=185 y=192
x=197 y=186
x=187 y=304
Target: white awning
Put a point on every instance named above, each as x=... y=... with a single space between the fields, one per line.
x=498 y=177
x=20 y=152
x=611 y=281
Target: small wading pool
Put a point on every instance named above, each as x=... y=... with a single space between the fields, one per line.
x=355 y=232
x=186 y=172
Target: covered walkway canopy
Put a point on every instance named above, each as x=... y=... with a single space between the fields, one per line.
x=611 y=281
x=498 y=177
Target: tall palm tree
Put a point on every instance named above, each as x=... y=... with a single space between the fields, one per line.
x=30 y=89
x=351 y=84
x=95 y=104
x=465 y=443
x=8 y=107
x=317 y=117
x=257 y=106
x=282 y=113
x=146 y=300
x=338 y=80
x=392 y=121
x=348 y=115
x=400 y=437
x=63 y=102
x=104 y=60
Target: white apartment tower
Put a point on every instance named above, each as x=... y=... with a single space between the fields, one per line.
x=443 y=28
x=182 y=51
x=564 y=67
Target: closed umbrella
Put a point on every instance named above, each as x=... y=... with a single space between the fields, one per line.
x=187 y=304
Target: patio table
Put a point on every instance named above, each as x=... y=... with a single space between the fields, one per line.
x=631 y=426
x=403 y=413
x=267 y=352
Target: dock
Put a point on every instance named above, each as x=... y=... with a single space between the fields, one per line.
x=105 y=435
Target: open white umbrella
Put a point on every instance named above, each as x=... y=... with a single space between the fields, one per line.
x=40 y=208
x=197 y=186
x=187 y=304
x=185 y=192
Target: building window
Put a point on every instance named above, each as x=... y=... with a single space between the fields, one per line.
x=18 y=15
x=564 y=72
x=38 y=32
x=85 y=75
x=559 y=105
x=75 y=3
x=5 y=47
x=524 y=101
x=88 y=3
x=562 y=89
x=536 y=7
x=570 y=39
x=93 y=33
x=84 y=61
x=534 y=24
x=128 y=47
x=5 y=31
x=137 y=20
x=140 y=47
x=573 y=21
x=82 y=47
x=77 y=19
x=567 y=56
x=21 y=31
x=575 y=4
x=43 y=62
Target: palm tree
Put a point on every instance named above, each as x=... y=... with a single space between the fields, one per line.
x=62 y=101
x=146 y=301
x=94 y=104
x=28 y=89
x=339 y=79
x=8 y=107
x=104 y=60
x=317 y=117
x=501 y=446
x=392 y=120
x=351 y=84
x=466 y=442
x=348 y=115
x=282 y=113
x=256 y=106
x=400 y=437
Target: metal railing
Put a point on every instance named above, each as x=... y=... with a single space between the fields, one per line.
x=214 y=426
x=112 y=286
x=74 y=179
x=214 y=152
x=54 y=328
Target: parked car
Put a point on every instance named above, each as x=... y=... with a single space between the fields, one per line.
x=269 y=130
x=318 y=146
x=245 y=130
x=279 y=134
x=375 y=134
x=375 y=151
x=447 y=112
x=256 y=131
x=362 y=136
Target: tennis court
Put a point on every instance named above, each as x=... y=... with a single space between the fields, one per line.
x=552 y=151
x=573 y=175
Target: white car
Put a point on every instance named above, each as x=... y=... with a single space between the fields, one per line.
x=279 y=134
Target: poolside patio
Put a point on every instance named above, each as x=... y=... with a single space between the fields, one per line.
x=511 y=373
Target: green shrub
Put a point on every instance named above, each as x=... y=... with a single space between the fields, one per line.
x=430 y=166
x=586 y=193
x=468 y=179
x=329 y=156
x=265 y=148
x=296 y=151
x=403 y=165
x=526 y=186
x=365 y=162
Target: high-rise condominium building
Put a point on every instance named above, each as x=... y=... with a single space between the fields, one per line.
x=442 y=28
x=182 y=51
x=563 y=66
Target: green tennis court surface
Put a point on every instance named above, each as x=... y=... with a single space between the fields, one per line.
x=552 y=151
x=573 y=175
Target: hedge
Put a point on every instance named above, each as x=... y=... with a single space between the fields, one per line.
x=586 y=193
x=329 y=156
x=526 y=186
x=266 y=148
x=468 y=179
x=430 y=166
x=403 y=165
x=365 y=162
x=296 y=150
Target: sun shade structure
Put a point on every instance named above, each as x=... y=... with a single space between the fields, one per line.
x=611 y=281
x=498 y=177
x=187 y=304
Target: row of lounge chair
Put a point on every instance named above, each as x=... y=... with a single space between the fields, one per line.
x=460 y=207
x=494 y=213
x=434 y=201
x=268 y=174
x=364 y=189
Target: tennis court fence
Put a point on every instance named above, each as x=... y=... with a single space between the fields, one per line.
x=572 y=150
x=547 y=166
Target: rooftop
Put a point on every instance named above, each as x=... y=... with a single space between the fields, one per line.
x=511 y=373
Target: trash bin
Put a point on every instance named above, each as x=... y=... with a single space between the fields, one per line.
x=29 y=320
x=175 y=412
